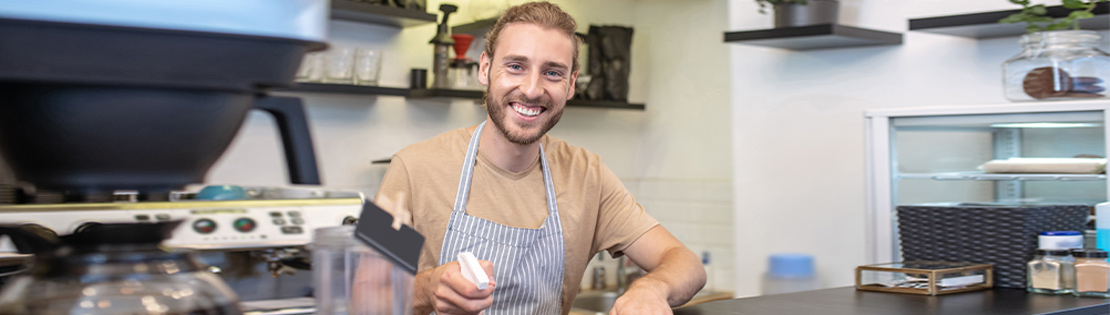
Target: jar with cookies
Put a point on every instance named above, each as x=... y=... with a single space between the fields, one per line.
x=1057 y=65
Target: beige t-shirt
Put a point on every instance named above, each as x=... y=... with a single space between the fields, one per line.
x=597 y=212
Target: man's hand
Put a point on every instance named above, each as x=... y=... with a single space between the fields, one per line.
x=446 y=291
x=645 y=296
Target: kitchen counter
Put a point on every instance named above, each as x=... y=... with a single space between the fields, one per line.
x=848 y=301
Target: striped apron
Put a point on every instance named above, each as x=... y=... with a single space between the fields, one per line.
x=527 y=263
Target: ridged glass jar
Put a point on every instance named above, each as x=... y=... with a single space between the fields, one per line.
x=1057 y=65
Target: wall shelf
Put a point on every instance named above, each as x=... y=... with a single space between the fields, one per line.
x=821 y=36
x=980 y=176
x=985 y=24
x=350 y=10
x=428 y=93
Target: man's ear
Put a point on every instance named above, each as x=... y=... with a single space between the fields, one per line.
x=483 y=69
x=573 y=79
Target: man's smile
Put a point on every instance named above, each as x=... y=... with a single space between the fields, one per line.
x=527 y=110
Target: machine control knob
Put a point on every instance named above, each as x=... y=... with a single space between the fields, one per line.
x=86 y=226
x=350 y=220
x=204 y=226
x=244 y=225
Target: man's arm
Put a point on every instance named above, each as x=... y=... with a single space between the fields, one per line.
x=674 y=274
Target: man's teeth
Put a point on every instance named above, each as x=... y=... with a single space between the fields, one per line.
x=525 y=111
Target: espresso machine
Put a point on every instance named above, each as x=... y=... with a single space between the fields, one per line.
x=110 y=110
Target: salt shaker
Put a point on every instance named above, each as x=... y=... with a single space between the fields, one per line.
x=1052 y=271
x=1092 y=273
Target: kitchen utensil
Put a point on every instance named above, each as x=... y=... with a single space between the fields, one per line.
x=111 y=269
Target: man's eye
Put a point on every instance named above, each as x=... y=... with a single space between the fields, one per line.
x=516 y=67
x=554 y=73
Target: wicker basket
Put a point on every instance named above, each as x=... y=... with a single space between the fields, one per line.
x=1001 y=235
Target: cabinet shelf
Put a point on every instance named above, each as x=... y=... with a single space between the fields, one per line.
x=985 y=24
x=349 y=10
x=980 y=176
x=814 y=37
x=427 y=93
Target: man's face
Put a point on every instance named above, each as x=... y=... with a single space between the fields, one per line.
x=528 y=81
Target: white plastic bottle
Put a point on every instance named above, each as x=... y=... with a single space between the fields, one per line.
x=1102 y=226
x=790 y=273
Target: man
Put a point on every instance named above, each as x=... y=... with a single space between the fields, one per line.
x=532 y=208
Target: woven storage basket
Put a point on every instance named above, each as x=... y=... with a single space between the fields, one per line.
x=1002 y=235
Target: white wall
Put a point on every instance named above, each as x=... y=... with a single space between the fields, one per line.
x=674 y=156
x=798 y=132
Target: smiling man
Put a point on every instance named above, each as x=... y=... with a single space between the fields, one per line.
x=531 y=207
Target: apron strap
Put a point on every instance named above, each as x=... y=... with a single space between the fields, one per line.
x=463 y=192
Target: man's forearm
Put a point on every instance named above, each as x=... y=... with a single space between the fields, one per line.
x=678 y=277
x=423 y=302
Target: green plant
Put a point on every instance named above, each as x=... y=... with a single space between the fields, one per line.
x=764 y=4
x=1036 y=18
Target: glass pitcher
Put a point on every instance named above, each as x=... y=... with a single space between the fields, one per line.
x=352 y=278
x=112 y=269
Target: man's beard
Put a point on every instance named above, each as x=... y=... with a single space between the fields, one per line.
x=498 y=112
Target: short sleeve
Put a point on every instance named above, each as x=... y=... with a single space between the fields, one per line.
x=395 y=182
x=621 y=220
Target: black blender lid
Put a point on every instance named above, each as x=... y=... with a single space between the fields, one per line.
x=94 y=54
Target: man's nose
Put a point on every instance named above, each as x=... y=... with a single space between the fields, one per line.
x=532 y=87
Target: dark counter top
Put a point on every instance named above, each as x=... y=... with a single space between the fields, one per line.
x=848 y=301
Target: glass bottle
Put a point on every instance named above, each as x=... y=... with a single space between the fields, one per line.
x=1092 y=273
x=1052 y=271
x=1057 y=65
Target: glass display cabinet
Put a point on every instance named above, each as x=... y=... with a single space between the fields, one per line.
x=950 y=154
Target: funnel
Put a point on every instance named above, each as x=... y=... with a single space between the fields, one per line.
x=462 y=44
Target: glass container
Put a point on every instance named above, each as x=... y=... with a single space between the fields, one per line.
x=1057 y=65
x=1092 y=273
x=352 y=278
x=1052 y=271
x=115 y=269
x=925 y=277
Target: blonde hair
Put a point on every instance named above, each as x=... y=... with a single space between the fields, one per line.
x=543 y=14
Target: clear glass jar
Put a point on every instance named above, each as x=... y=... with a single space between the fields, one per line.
x=1092 y=273
x=1052 y=271
x=1057 y=65
x=352 y=278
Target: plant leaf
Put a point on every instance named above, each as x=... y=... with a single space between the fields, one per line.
x=1038 y=9
x=1013 y=18
x=1020 y=2
x=1032 y=28
x=1075 y=4
x=1079 y=15
x=1041 y=19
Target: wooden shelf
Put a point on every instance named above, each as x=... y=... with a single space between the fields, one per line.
x=985 y=24
x=349 y=10
x=427 y=93
x=346 y=89
x=821 y=36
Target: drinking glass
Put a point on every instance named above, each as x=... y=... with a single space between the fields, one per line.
x=368 y=64
x=339 y=65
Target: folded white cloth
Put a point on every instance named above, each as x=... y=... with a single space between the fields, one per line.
x=1046 y=165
